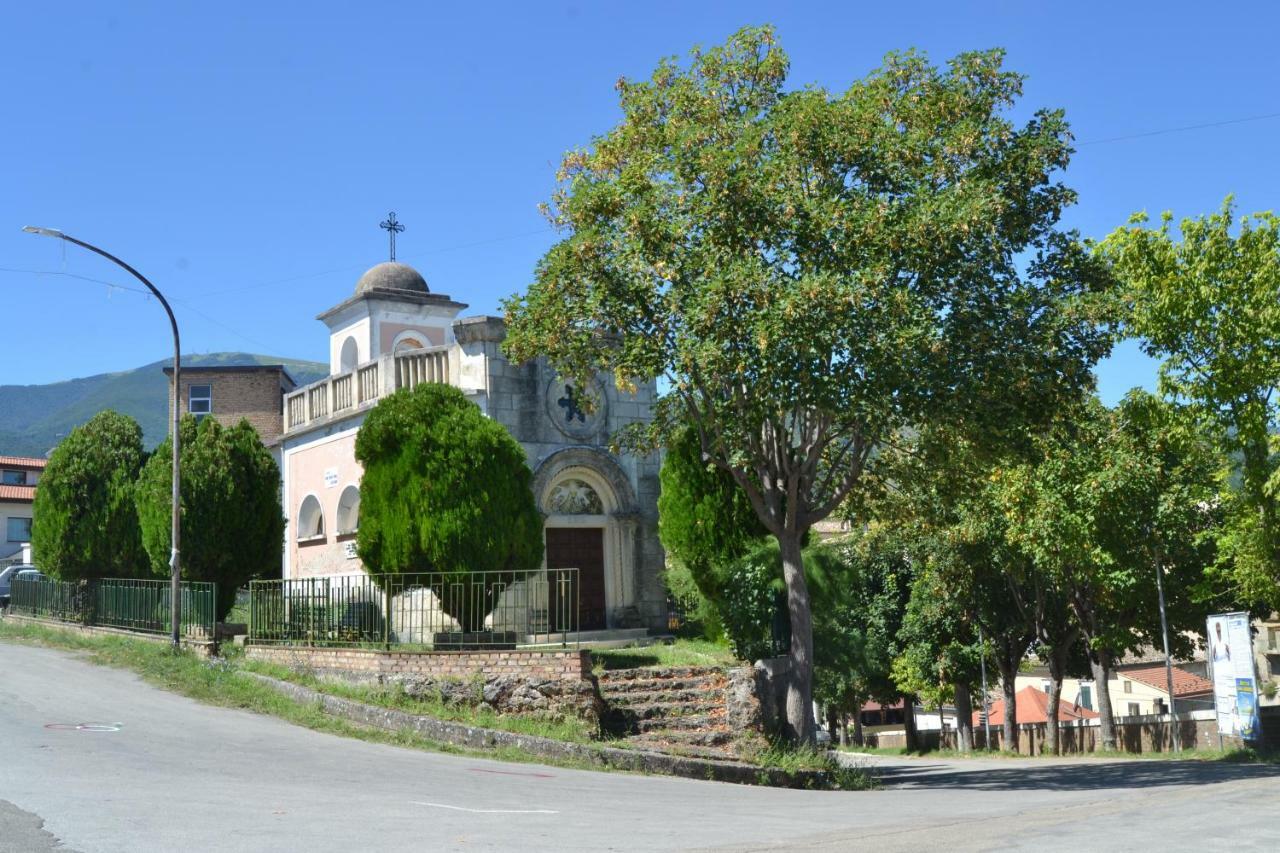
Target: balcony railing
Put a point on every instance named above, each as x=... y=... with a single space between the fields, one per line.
x=356 y=389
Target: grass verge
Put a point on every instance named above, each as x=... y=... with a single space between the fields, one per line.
x=557 y=727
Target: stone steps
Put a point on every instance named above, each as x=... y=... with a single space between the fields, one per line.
x=712 y=737
x=649 y=685
x=680 y=710
x=682 y=723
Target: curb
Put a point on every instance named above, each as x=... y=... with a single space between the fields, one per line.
x=460 y=734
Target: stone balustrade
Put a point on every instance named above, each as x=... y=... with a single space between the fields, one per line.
x=341 y=394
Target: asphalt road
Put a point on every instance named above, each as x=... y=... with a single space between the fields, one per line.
x=164 y=773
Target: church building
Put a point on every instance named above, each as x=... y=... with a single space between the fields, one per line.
x=393 y=332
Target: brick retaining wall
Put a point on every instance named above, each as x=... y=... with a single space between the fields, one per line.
x=376 y=664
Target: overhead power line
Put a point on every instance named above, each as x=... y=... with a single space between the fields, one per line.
x=1182 y=129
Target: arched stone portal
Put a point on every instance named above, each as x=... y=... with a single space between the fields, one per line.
x=590 y=512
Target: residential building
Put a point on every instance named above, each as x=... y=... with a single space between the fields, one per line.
x=230 y=393
x=18 y=478
x=1136 y=689
x=1031 y=705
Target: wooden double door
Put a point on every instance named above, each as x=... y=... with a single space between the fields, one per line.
x=580 y=548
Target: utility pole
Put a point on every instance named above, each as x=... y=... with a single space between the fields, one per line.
x=1168 y=662
x=175 y=576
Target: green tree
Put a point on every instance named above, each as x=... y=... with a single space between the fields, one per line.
x=84 y=521
x=445 y=490
x=811 y=273
x=705 y=521
x=232 y=523
x=1118 y=496
x=1209 y=305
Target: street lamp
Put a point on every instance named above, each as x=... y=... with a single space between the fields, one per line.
x=174 y=573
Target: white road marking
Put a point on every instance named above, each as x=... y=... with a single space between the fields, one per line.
x=485 y=811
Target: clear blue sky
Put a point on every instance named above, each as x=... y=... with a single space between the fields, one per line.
x=242 y=154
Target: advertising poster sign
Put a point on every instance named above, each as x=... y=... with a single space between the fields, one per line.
x=1230 y=653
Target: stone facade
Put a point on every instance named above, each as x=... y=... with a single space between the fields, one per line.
x=251 y=392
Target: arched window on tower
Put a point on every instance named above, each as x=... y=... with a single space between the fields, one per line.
x=349 y=511
x=349 y=357
x=310 y=519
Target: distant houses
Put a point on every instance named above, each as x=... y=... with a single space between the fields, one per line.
x=18 y=478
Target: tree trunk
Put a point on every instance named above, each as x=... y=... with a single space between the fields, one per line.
x=799 y=724
x=844 y=729
x=1100 y=664
x=909 y=723
x=964 y=718
x=1009 y=689
x=833 y=724
x=1052 y=740
x=857 y=727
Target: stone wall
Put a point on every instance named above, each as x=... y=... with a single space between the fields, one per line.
x=555 y=683
x=374 y=664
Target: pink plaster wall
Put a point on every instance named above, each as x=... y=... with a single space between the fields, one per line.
x=306 y=477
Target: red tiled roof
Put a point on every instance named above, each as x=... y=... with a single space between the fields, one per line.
x=1031 y=706
x=24 y=461
x=1184 y=683
x=17 y=493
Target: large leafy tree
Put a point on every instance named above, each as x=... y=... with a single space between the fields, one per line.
x=1209 y=305
x=232 y=522
x=84 y=521
x=809 y=273
x=445 y=490
x=1117 y=496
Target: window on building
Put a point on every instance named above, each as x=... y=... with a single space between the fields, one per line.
x=200 y=400
x=14 y=478
x=1161 y=706
x=18 y=530
x=1134 y=709
x=1045 y=684
x=1128 y=686
x=1086 y=696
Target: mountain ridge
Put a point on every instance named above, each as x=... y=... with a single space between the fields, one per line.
x=33 y=418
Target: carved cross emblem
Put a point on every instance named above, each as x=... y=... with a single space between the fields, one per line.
x=569 y=402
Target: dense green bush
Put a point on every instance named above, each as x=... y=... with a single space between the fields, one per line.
x=232 y=523
x=84 y=522
x=445 y=489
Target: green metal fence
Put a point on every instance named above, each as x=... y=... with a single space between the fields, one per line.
x=134 y=605
x=428 y=611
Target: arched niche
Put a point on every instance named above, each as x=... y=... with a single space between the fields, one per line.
x=349 y=510
x=310 y=518
x=349 y=356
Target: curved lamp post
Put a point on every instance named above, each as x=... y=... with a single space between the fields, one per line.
x=174 y=573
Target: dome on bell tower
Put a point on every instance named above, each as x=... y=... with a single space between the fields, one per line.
x=392 y=276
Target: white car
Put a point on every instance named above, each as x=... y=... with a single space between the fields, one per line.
x=8 y=573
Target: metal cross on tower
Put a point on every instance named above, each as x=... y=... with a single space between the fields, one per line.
x=393 y=228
